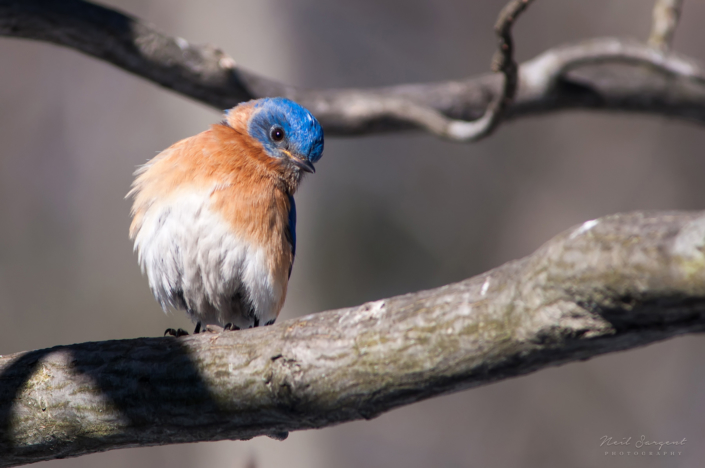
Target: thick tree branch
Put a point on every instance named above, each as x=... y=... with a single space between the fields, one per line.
x=607 y=285
x=605 y=74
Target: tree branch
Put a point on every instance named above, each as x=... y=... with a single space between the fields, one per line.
x=604 y=74
x=610 y=284
x=502 y=62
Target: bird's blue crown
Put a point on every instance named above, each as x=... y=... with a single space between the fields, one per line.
x=280 y=124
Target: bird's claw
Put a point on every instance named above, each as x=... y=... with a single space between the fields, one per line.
x=280 y=435
x=200 y=329
x=219 y=329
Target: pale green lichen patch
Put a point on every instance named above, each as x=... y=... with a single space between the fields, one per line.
x=689 y=251
x=39 y=378
x=693 y=269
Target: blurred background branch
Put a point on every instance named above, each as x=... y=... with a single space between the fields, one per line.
x=607 y=285
x=467 y=110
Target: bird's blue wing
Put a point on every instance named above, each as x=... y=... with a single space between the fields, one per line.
x=291 y=230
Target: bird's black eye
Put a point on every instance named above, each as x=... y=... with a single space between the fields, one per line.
x=277 y=134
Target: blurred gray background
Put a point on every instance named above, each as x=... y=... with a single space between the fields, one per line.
x=383 y=215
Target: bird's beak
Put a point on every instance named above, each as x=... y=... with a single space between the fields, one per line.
x=303 y=164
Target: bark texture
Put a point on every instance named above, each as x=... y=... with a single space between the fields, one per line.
x=607 y=285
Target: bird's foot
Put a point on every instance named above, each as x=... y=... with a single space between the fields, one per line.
x=281 y=435
x=219 y=329
x=198 y=328
x=175 y=333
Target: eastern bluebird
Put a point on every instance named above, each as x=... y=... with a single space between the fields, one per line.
x=214 y=219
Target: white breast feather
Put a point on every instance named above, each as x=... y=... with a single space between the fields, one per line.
x=183 y=245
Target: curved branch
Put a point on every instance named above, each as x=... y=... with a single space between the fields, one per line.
x=610 y=284
x=503 y=62
x=669 y=85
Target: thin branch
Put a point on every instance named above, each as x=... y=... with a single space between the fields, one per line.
x=669 y=86
x=503 y=62
x=607 y=285
x=460 y=130
x=665 y=20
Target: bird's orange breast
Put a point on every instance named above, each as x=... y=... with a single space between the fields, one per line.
x=241 y=182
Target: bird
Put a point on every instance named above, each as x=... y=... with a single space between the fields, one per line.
x=214 y=217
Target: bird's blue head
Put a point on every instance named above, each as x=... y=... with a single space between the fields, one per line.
x=287 y=131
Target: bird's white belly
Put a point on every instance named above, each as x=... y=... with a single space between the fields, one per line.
x=194 y=261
